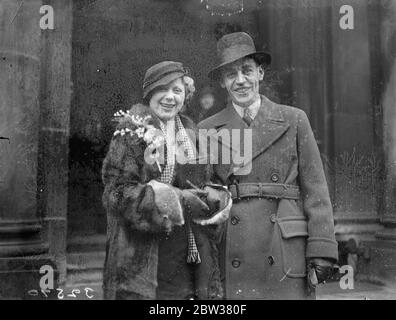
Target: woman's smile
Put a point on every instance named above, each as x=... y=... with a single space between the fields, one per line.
x=167 y=106
x=168 y=100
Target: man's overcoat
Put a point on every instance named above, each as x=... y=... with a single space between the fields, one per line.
x=288 y=216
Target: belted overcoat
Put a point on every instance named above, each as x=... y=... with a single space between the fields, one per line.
x=282 y=215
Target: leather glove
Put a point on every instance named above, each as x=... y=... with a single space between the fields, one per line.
x=320 y=270
x=194 y=202
x=215 y=199
x=219 y=202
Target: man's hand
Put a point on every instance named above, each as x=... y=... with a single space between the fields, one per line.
x=320 y=270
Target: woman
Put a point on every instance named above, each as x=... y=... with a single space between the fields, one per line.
x=159 y=245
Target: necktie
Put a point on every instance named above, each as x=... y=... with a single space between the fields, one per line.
x=247 y=116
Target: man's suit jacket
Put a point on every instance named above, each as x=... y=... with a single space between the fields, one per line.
x=269 y=238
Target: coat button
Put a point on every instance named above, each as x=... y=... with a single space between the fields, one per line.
x=236 y=263
x=274 y=177
x=271 y=260
x=234 y=220
x=273 y=218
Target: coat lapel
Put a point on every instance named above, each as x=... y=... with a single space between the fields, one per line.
x=268 y=126
x=219 y=136
x=230 y=121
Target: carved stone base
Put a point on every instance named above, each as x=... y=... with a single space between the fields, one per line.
x=21 y=238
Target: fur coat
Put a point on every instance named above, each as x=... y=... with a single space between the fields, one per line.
x=134 y=223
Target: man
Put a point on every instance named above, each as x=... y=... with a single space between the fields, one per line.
x=279 y=242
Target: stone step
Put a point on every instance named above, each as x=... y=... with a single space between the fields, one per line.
x=85 y=262
x=95 y=242
x=84 y=267
x=84 y=277
x=82 y=261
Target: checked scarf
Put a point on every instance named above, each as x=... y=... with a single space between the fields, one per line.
x=168 y=174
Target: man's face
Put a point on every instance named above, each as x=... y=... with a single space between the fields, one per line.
x=241 y=80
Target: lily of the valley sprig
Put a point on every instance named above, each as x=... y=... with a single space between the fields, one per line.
x=143 y=130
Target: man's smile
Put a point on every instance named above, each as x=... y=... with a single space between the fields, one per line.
x=242 y=90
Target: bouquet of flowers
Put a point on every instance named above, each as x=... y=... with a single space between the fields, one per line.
x=135 y=125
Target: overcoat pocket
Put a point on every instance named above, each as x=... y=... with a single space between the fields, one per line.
x=294 y=233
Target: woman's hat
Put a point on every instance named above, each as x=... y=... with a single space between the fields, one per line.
x=235 y=46
x=161 y=74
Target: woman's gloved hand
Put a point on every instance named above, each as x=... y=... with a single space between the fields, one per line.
x=219 y=202
x=194 y=201
x=216 y=198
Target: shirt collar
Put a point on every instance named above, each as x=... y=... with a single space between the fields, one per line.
x=253 y=108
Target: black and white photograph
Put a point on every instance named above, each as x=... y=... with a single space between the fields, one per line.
x=219 y=151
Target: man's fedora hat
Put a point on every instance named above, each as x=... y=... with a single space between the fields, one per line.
x=234 y=46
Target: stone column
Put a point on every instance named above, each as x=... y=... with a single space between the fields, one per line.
x=55 y=98
x=34 y=99
x=383 y=252
x=21 y=238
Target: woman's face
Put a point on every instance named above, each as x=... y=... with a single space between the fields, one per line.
x=167 y=101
